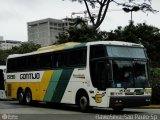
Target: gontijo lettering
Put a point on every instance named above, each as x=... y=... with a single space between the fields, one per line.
x=30 y=76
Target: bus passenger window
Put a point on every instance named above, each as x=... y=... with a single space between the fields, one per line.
x=102 y=76
x=97 y=51
x=55 y=60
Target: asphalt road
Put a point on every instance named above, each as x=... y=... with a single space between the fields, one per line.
x=11 y=110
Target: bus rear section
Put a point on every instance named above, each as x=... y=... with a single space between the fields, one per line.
x=47 y=75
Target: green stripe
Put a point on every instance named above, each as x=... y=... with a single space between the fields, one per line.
x=52 y=85
x=62 y=85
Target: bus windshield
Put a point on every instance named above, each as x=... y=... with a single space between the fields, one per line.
x=129 y=74
x=125 y=52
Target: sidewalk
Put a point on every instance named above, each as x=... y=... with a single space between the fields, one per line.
x=149 y=107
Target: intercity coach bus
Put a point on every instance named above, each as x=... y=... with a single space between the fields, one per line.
x=109 y=74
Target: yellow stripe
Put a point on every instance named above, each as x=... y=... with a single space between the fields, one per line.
x=58 y=47
x=44 y=83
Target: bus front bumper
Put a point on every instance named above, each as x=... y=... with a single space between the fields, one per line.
x=129 y=101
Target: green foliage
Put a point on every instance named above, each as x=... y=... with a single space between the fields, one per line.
x=24 y=48
x=155 y=77
x=82 y=34
x=3 y=55
x=155 y=84
x=155 y=72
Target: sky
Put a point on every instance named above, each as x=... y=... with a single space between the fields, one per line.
x=14 y=15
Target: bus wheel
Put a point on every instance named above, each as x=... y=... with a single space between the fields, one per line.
x=20 y=97
x=83 y=102
x=28 y=97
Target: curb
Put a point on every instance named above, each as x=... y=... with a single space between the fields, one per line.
x=149 y=107
x=5 y=99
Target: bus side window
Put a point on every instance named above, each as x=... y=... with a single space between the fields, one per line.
x=81 y=58
x=55 y=59
x=72 y=58
x=77 y=57
x=63 y=59
x=12 y=65
x=9 y=65
x=97 y=51
x=44 y=58
x=102 y=75
x=21 y=63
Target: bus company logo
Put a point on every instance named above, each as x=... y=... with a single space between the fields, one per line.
x=30 y=76
x=4 y=116
x=98 y=98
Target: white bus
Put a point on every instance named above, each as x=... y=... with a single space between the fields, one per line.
x=2 y=81
x=109 y=74
x=2 y=76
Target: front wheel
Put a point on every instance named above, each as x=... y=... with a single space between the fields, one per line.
x=83 y=102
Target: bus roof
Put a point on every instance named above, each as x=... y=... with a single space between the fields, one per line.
x=119 y=43
x=71 y=45
x=59 y=47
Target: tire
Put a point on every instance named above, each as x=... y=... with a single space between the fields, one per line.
x=83 y=102
x=28 y=97
x=20 y=97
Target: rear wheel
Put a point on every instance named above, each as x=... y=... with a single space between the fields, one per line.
x=20 y=97
x=28 y=97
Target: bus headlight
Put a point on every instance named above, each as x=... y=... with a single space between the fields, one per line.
x=148 y=90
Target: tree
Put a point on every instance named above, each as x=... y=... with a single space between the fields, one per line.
x=79 y=32
x=76 y=34
x=79 y=22
x=24 y=48
x=103 y=5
